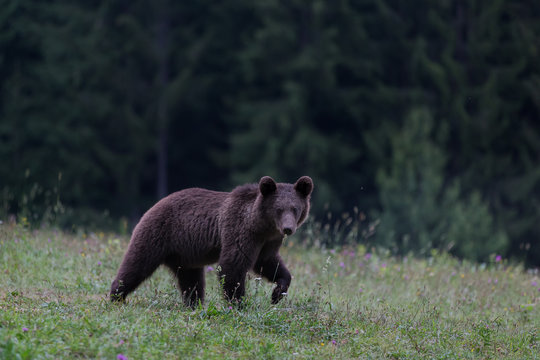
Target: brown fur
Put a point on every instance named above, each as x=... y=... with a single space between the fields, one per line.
x=242 y=230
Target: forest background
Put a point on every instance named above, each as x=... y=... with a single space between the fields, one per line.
x=418 y=120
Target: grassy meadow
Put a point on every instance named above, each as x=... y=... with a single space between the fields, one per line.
x=343 y=303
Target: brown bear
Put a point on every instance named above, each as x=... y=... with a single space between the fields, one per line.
x=241 y=230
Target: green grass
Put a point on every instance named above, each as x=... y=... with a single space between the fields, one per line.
x=342 y=304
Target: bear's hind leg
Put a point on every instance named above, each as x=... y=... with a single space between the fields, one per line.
x=134 y=270
x=191 y=283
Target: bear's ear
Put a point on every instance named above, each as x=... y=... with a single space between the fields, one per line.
x=304 y=186
x=267 y=185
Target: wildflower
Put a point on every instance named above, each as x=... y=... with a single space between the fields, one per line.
x=498 y=258
x=322 y=344
x=333 y=342
x=209 y=269
x=342 y=265
x=230 y=307
x=367 y=256
x=360 y=290
x=121 y=342
x=99 y=262
x=534 y=283
x=25 y=329
x=351 y=254
x=121 y=357
x=49 y=240
x=332 y=251
x=383 y=265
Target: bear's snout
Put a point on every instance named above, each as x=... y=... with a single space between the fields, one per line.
x=288 y=224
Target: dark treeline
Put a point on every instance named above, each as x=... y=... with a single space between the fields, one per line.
x=424 y=115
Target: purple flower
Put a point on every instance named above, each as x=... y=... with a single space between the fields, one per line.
x=351 y=254
x=342 y=264
x=367 y=256
x=333 y=342
x=121 y=342
x=332 y=251
x=534 y=283
x=498 y=258
x=383 y=265
x=25 y=329
x=121 y=357
x=360 y=290
x=99 y=262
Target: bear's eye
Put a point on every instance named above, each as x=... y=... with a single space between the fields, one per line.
x=294 y=211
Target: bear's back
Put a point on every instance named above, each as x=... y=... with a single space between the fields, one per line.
x=195 y=211
x=184 y=224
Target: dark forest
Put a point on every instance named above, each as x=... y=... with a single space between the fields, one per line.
x=419 y=121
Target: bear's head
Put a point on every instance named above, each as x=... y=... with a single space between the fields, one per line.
x=286 y=206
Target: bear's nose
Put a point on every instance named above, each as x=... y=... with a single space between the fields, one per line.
x=287 y=231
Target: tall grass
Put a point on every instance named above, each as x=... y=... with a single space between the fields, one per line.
x=344 y=302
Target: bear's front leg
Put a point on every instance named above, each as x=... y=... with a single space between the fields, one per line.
x=234 y=279
x=273 y=269
x=234 y=263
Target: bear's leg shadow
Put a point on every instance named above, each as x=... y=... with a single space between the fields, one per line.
x=136 y=267
x=273 y=269
x=191 y=283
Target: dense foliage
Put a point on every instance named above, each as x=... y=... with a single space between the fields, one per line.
x=423 y=115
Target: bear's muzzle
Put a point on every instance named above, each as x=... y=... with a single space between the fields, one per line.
x=288 y=224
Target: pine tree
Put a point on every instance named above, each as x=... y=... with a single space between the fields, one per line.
x=421 y=210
